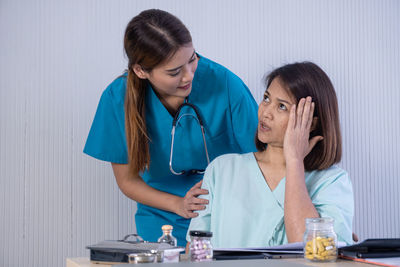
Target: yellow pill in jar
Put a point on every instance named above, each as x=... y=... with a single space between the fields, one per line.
x=314 y=244
x=320 y=247
x=327 y=243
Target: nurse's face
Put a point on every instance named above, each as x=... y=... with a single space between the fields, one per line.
x=174 y=77
x=273 y=114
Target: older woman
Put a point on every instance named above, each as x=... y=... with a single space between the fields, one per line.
x=263 y=198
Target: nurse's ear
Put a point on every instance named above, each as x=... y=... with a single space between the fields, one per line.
x=140 y=72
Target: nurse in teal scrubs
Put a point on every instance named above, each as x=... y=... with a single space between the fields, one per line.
x=262 y=199
x=133 y=123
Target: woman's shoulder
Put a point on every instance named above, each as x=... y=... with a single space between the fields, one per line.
x=115 y=91
x=213 y=69
x=335 y=171
x=227 y=167
x=231 y=159
x=211 y=65
x=212 y=78
x=330 y=175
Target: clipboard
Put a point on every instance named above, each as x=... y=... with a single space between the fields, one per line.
x=373 y=248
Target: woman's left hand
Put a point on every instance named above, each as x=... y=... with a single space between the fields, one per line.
x=296 y=144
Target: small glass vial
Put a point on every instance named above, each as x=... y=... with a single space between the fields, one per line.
x=320 y=240
x=167 y=236
x=200 y=246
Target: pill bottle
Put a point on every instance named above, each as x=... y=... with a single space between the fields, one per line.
x=167 y=236
x=320 y=240
x=200 y=246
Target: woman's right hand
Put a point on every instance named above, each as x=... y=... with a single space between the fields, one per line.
x=297 y=144
x=191 y=203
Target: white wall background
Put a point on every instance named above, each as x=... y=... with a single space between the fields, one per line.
x=56 y=57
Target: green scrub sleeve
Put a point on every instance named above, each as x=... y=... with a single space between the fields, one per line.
x=106 y=140
x=244 y=114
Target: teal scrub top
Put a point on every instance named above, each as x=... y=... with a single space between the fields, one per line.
x=244 y=212
x=229 y=114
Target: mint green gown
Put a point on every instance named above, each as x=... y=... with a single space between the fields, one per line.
x=244 y=212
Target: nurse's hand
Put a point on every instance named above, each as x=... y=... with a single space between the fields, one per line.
x=297 y=144
x=191 y=203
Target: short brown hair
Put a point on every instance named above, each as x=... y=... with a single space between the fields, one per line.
x=307 y=79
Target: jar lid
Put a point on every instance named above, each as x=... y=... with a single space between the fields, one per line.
x=167 y=227
x=201 y=233
x=323 y=223
x=319 y=220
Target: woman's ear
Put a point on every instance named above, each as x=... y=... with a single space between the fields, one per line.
x=140 y=72
x=314 y=124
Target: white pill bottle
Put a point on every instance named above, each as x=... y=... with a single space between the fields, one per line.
x=200 y=246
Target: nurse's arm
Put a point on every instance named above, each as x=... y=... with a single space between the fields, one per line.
x=136 y=189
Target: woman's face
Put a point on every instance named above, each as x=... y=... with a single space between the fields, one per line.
x=273 y=114
x=174 y=77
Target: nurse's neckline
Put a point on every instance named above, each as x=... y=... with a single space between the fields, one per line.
x=171 y=109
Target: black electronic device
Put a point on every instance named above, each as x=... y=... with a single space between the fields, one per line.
x=113 y=251
x=373 y=248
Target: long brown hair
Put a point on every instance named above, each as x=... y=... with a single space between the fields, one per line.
x=151 y=38
x=307 y=79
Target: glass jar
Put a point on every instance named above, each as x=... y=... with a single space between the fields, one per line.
x=167 y=236
x=200 y=246
x=320 y=240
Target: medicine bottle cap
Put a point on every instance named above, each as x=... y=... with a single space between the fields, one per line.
x=201 y=233
x=167 y=227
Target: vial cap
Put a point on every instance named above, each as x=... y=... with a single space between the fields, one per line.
x=201 y=233
x=167 y=227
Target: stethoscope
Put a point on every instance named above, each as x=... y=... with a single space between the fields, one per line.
x=177 y=118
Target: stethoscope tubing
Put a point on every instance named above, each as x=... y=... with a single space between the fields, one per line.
x=174 y=122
